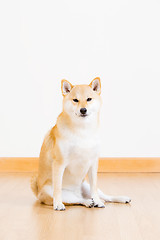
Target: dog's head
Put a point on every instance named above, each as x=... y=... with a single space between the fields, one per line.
x=81 y=102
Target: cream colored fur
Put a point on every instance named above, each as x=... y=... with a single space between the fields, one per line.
x=70 y=151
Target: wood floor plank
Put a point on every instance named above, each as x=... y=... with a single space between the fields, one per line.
x=23 y=218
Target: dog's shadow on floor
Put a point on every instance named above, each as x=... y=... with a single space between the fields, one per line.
x=43 y=208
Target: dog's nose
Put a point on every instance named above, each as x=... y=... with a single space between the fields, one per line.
x=83 y=110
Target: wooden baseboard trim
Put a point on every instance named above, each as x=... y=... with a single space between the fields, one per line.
x=129 y=165
x=18 y=164
x=105 y=165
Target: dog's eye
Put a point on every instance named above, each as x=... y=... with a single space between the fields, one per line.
x=75 y=100
x=89 y=99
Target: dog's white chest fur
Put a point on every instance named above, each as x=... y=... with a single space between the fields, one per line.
x=80 y=150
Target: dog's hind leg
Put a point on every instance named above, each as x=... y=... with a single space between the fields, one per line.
x=115 y=199
x=72 y=198
x=106 y=198
x=68 y=197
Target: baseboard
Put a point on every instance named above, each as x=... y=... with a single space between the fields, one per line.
x=18 y=164
x=129 y=164
x=105 y=165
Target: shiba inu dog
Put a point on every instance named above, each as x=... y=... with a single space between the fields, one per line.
x=70 y=151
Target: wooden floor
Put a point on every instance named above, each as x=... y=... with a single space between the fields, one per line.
x=22 y=217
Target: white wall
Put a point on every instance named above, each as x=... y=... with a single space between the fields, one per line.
x=42 y=42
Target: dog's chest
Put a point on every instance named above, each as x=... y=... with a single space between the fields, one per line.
x=79 y=152
x=80 y=147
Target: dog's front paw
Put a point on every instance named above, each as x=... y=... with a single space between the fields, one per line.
x=98 y=203
x=59 y=207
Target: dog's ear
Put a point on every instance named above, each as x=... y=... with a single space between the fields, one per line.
x=96 y=85
x=66 y=87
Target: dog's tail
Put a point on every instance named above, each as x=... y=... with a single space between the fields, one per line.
x=34 y=185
